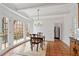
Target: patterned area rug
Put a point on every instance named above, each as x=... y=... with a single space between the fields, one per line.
x=26 y=51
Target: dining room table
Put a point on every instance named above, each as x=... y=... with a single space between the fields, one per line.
x=36 y=40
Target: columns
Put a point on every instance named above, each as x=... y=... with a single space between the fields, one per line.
x=10 y=32
x=1 y=34
x=24 y=31
x=74 y=19
x=1 y=42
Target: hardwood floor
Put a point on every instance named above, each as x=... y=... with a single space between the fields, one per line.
x=57 y=48
x=54 y=48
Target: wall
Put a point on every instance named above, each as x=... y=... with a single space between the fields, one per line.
x=47 y=26
x=67 y=29
x=12 y=15
x=67 y=21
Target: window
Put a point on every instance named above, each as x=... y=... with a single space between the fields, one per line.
x=5 y=32
x=18 y=31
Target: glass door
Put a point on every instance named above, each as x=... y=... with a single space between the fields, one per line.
x=5 y=32
x=18 y=31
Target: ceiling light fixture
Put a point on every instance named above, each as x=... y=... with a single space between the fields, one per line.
x=37 y=22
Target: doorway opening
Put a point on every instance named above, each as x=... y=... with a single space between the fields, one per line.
x=57 y=31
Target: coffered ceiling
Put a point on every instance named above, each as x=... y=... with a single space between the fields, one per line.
x=46 y=9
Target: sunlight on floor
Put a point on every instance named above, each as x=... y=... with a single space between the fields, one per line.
x=25 y=50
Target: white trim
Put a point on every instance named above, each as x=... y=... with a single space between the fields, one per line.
x=16 y=12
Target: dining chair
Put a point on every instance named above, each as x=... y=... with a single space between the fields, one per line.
x=36 y=41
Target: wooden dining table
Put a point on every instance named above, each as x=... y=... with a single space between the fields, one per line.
x=37 y=40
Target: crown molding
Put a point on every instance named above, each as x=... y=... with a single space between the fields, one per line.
x=15 y=12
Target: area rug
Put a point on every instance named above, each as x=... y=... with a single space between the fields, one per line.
x=27 y=51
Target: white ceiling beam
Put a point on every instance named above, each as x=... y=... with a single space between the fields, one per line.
x=59 y=9
x=16 y=12
x=42 y=6
x=53 y=16
x=35 y=6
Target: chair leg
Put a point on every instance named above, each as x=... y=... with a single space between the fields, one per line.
x=37 y=47
x=42 y=45
x=31 y=47
x=44 y=40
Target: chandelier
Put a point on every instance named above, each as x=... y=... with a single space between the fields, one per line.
x=37 y=22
